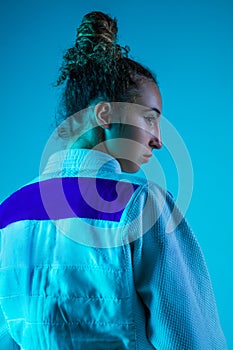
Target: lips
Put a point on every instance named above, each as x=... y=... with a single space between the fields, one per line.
x=146 y=157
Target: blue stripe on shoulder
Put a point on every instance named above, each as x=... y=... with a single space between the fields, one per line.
x=69 y=197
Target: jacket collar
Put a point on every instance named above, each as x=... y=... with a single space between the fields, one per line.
x=81 y=162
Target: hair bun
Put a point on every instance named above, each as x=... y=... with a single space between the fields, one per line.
x=96 y=43
x=97 y=27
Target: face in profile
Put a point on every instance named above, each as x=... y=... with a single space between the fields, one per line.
x=132 y=130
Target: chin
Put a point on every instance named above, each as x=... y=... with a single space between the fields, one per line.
x=129 y=166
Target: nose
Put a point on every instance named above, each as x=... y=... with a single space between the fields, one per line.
x=156 y=141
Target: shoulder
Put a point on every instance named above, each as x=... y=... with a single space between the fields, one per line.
x=14 y=207
x=151 y=209
x=149 y=192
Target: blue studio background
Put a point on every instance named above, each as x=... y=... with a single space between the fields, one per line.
x=189 y=44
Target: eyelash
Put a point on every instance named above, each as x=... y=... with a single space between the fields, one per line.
x=150 y=120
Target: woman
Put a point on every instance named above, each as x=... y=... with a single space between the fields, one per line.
x=86 y=260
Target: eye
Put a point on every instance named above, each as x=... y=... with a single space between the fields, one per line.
x=150 y=120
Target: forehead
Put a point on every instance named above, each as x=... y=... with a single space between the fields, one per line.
x=149 y=96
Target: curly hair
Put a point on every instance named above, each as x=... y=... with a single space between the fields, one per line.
x=97 y=67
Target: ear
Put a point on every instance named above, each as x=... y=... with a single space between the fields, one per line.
x=103 y=114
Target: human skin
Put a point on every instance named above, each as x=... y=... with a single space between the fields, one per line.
x=132 y=130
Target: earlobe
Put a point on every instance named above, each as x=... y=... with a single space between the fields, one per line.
x=103 y=114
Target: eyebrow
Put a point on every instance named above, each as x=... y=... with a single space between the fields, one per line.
x=153 y=109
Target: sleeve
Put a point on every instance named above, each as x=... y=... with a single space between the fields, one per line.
x=6 y=341
x=173 y=282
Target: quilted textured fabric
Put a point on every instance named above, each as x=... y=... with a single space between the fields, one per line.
x=86 y=262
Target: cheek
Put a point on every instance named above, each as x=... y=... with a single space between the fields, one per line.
x=137 y=134
x=127 y=141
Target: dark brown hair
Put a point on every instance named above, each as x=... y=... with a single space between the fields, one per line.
x=97 y=67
